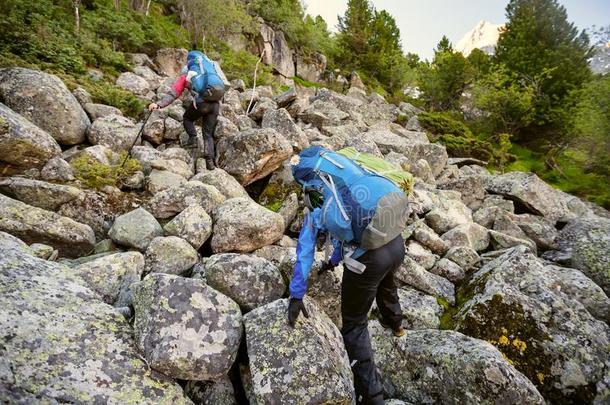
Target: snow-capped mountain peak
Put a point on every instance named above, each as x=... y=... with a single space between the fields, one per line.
x=483 y=36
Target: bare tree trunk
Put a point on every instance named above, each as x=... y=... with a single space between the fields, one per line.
x=76 y=4
x=117 y=5
x=147 y=7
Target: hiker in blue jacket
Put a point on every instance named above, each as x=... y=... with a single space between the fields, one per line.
x=205 y=81
x=336 y=192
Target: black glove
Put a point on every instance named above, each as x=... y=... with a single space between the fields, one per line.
x=325 y=267
x=295 y=306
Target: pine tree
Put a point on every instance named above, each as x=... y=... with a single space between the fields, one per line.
x=541 y=45
x=355 y=30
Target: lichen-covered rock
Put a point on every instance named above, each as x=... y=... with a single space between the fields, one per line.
x=211 y=392
x=539 y=229
x=501 y=240
x=95 y=111
x=463 y=256
x=169 y=61
x=419 y=310
x=46 y=101
x=282 y=122
x=241 y=225
x=448 y=215
x=145 y=155
x=57 y=169
x=48 y=196
x=159 y=180
x=59 y=343
x=589 y=242
x=134 y=83
x=112 y=276
x=534 y=315
x=113 y=131
x=322 y=114
x=449 y=270
x=249 y=280
x=253 y=154
x=8 y=241
x=414 y=275
x=177 y=166
x=184 y=328
x=135 y=229
x=469 y=234
x=22 y=144
x=223 y=181
x=306 y=364
x=43 y=251
x=421 y=255
x=32 y=224
x=193 y=225
x=535 y=194
x=154 y=128
x=441 y=366
x=428 y=238
x=174 y=200
x=170 y=255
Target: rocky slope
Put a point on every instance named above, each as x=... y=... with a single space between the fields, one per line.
x=504 y=287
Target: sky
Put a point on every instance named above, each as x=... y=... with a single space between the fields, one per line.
x=423 y=23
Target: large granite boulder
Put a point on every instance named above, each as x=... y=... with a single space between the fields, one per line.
x=58 y=170
x=22 y=144
x=171 y=255
x=441 y=366
x=113 y=131
x=169 y=61
x=250 y=281
x=48 y=196
x=447 y=215
x=533 y=193
x=46 y=101
x=159 y=180
x=60 y=344
x=133 y=83
x=8 y=241
x=193 y=225
x=588 y=239
x=282 y=122
x=468 y=234
x=306 y=364
x=277 y=52
x=413 y=274
x=112 y=276
x=223 y=181
x=184 y=328
x=539 y=318
x=241 y=225
x=253 y=154
x=135 y=229
x=35 y=225
x=174 y=200
x=211 y=392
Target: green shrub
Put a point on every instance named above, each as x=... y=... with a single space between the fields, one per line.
x=241 y=65
x=96 y=175
x=444 y=124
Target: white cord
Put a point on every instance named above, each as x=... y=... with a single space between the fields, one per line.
x=254 y=87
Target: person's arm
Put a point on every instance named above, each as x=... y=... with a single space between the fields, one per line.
x=175 y=92
x=335 y=258
x=306 y=247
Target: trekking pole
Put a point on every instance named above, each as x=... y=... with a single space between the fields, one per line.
x=254 y=87
x=136 y=140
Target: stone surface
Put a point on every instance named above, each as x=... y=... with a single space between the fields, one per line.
x=535 y=194
x=35 y=225
x=159 y=180
x=501 y=240
x=38 y=193
x=223 y=181
x=521 y=306
x=135 y=229
x=286 y=372
x=46 y=101
x=253 y=154
x=449 y=214
x=169 y=61
x=57 y=169
x=588 y=239
x=113 y=276
x=249 y=280
x=421 y=255
x=449 y=270
x=469 y=234
x=8 y=241
x=211 y=392
x=113 y=131
x=95 y=111
x=419 y=310
x=431 y=366
x=22 y=144
x=184 y=328
x=177 y=166
x=193 y=225
x=170 y=255
x=241 y=225
x=463 y=256
x=174 y=200
x=414 y=275
x=282 y=122
x=428 y=238
x=60 y=344
x=132 y=82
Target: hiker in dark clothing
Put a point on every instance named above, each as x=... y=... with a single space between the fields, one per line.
x=204 y=79
x=344 y=201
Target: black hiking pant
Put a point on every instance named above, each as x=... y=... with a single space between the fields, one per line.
x=357 y=294
x=208 y=111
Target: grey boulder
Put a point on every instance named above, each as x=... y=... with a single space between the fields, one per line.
x=250 y=281
x=193 y=225
x=48 y=196
x=306 y=364
x=171 y=255
x=113 y=131
x=241 y=225
x=174 y=200
x=223 y=181
x=184 y=328
x=135 y=229
x=46 y=101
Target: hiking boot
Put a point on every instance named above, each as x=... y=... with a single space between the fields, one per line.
x=398 y=331
x=209 y=164
x=191 y=143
